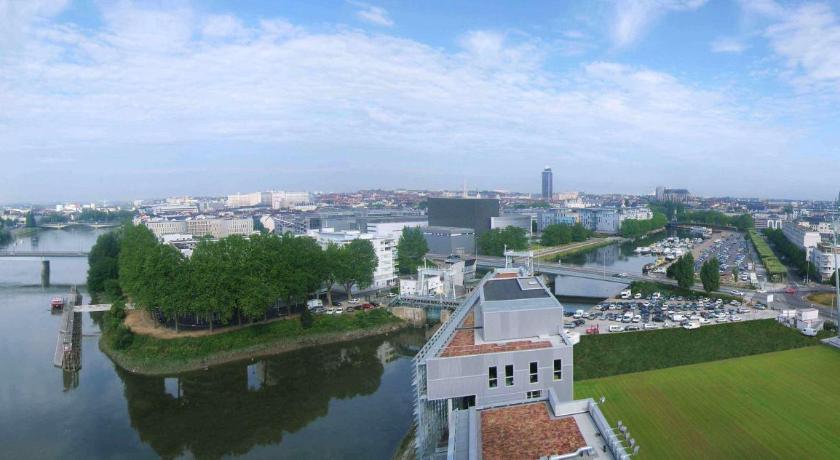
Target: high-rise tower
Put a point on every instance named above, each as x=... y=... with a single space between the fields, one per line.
x=547 y=184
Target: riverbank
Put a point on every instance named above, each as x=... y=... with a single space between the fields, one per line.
x=553 y=254
x=155 y=356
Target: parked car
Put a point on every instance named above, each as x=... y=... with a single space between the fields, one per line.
x=691 y=325
x=616 y=328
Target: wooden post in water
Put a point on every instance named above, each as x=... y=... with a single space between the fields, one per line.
x=45 y=273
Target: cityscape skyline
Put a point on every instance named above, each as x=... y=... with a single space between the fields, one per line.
x=346 y=95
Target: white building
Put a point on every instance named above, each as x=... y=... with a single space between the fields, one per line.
x=822 y=257
x=608 y=220
x=283 y=200
x=394 y=229
x=246 y=200
x=801 y=236
x=385 y=275
x=217 y=228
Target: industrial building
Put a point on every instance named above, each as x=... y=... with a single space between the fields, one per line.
x=449 y=240
x=502 y=363
x=474 y=213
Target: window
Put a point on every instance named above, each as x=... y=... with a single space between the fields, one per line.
x=534 y=377
x=558 y=369
x=492 y=378
x=534 y=394
x=509 y=375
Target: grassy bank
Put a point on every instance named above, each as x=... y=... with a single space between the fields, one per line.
x=773 y=405
x=554 y=257
x=152 y=356
x=647 y=288
x=613 y=354
x=823 y=298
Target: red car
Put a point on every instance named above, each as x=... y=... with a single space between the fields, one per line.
x=790 y=290
x=366 y=306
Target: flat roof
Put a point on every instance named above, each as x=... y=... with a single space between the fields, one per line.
x=463 y=342
x=513 y=289
x=527 y=431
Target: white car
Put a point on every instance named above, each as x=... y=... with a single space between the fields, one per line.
x=651 y=326
x=736 y=318
x=353 y=300
x=339 y=310
x=616 y=328
x=691 y=325
x=703 y=321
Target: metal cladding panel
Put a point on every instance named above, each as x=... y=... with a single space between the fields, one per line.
x=468 y=375
x=508 y=325
x=474 y=213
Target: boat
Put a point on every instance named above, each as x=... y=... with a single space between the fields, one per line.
x=57 y=303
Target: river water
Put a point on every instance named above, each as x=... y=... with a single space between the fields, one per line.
x=350 y=400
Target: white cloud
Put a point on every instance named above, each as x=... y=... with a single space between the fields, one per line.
x=223 y=26
x=808 y=39
x=632 y=18
x=373 y=14
x=17 y=15
x=728 y=45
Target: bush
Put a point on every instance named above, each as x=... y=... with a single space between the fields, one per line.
x=307 y=319
x=121 y=337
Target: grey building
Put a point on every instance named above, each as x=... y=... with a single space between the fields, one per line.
x=523 y=221
x=474 y=213
x=503 y=358
x=450 y=240
x=547 y=184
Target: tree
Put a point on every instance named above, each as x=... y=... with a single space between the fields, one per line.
x=710 y=275
x=355 y=265
x=30 y=220
x=683 y=271
x=494 y=242
x=580 y=233
x=307 y=319
x=556 y=234
x=103 y=262
x=411 y=249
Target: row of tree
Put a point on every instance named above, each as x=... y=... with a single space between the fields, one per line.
x=633 y=228
x=677 y=211
x=494 y=241
x=792 y=255
x=230 y=278
x=682 y=271
x=557 y=234
x=5 y=234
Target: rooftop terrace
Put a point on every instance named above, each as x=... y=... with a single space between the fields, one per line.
x=527 y=431
x=463 y=342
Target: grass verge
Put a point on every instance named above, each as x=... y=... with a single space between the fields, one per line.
x=613 y=354
x=151 y=356
x=822 y=298
x=773 y=405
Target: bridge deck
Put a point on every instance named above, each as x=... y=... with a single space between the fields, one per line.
x=44 y=254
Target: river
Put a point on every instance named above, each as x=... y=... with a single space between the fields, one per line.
x=350 y=400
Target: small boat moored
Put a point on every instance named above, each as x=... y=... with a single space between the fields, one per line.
x=57 y=303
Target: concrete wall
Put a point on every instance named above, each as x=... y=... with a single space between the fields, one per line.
x=468 y=375
x=414 y=315
x=507 y=324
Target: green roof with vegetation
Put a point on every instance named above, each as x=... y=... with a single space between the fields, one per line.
x=774 y=267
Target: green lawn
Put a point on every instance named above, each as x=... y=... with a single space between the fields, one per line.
x=775 y=405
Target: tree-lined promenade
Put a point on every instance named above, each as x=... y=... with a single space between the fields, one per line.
x=225 y=281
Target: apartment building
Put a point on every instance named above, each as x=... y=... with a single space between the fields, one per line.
x=385 y=248
x=283 y=200
x=823 y=257
x=802 y=236
x=247 y=200
x=501 y=362
x=608 y=220
x=217 y=228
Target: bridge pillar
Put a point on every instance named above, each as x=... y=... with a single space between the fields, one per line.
x=45 y=273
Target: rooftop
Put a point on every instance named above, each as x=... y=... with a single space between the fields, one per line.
x=463 y=343
x=527 y=431
x=505 y=288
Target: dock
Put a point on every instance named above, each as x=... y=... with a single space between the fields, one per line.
x=68 y=347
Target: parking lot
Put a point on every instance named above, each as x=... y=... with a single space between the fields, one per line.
x=657 y=312
x=731 y=250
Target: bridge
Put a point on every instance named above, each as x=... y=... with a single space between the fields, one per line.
x=44 y=257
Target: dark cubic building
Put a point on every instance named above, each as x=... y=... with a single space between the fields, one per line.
x=474 y=213
x=547 y=183
x=449 y=240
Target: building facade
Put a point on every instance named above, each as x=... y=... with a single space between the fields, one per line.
x=449 y=240
x=801 y=236
x=247 y=200
x=608 y=220
x=823 y=257
x=216 y=228
x=385 y=274
x=523 y=221
x=283 y=200
x=547 y=184
x=473 y=213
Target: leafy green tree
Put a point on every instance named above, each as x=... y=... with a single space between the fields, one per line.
x=103 y=261
x=307 y=319
x=710 y=275
x=682 y=271
x=138 y=244
x=556 y=234
x=30 y=220
x=355 y=265
x=494 y=241
x=411 y=249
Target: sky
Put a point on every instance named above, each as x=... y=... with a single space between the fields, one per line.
x=110 y=100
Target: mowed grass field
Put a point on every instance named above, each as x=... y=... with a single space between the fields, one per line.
x=776 y=405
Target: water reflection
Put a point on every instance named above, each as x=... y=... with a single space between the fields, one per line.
x=230 y=409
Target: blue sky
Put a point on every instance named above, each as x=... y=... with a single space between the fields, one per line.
x=119 y=99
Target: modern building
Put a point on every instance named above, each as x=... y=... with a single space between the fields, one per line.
x=678 y=195
x=547 y=184
x=608 y=220
x=385 y=275
x=283 y=200
x=474 y=213
x=660 y=193
x=823 y=257
x=393 y=229
x=216 y=228
x=500 y=363
x=247 y=200
x=450 y=240
x=801 y=236
x=523 y=221
x=553 y=216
